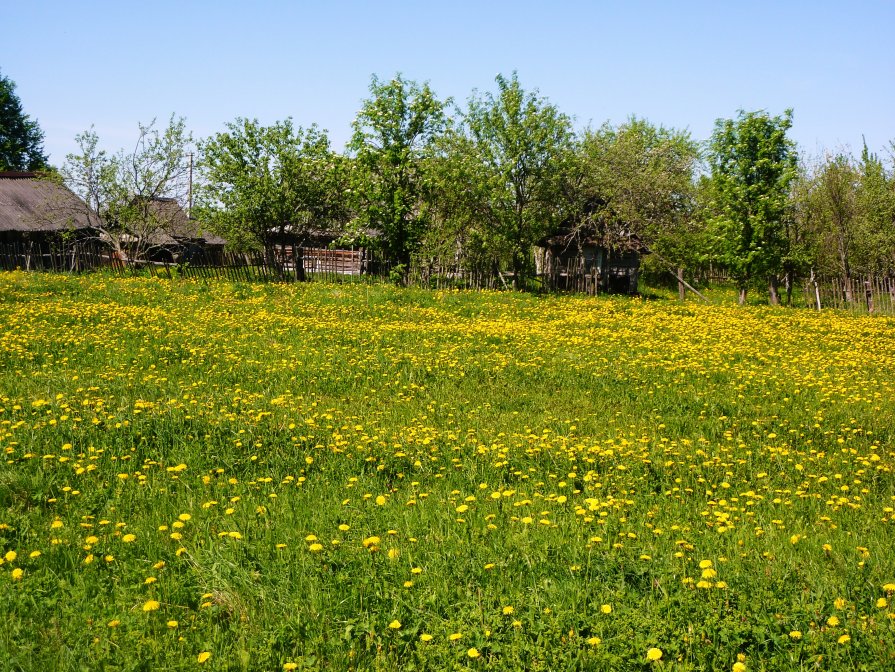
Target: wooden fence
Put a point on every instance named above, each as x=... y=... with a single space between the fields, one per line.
x=860 y=294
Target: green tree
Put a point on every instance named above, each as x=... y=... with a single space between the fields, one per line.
x=21 y=140
x=261 y=181
x=638 y=180
x=829 y=199
x=123 y=193
x=393 y=133
x=753 y=164
x=875 y=205
x=522 y=142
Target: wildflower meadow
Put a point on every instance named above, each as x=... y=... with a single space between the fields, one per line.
x=231 y=476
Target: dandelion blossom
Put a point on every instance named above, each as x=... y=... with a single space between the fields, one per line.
x=205 y=655
x=654 y=654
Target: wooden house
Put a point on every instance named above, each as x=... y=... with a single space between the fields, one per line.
x=41 y=223
x=38 y=210
x=171 y=236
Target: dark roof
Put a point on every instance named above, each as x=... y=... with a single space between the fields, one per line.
x=29 y=202
x=176 y=227
x=568 y=239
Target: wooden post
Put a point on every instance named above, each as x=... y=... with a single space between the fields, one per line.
x=868 y=295
x=681 y=289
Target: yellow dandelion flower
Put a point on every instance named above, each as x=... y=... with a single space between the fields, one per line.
x=594 y=641
x=17 y=574
x=844 y=639
x=173 y=624
x=34 y=555
x=739 y=667
x=653 y=654
x=395 y=625
x=606 y=608
x=454 y=636
x=10 y=556
x=205 y=655
x=114 y=623
x=290 y=666
x=795 y=634
x=507 y=610
x=473 y=652
x=151 y=605
x=128 y=538
x=315 y=548
x=425 y=637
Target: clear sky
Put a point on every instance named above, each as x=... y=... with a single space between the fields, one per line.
x=677 y=63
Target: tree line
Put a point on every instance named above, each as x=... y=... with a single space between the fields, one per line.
x=426 y=180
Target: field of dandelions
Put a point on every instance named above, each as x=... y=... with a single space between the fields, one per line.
x=225 y=477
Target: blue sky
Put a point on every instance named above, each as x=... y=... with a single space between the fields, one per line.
x=681 y=64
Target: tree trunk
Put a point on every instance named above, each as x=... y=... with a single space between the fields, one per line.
x=787 y=280
x=742 y=296
x=517 y=270
x=774 y=290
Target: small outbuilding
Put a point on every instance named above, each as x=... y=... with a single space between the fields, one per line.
x=582 y=260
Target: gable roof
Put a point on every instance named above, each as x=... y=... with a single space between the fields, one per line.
x=177 y=227
x=29 y=202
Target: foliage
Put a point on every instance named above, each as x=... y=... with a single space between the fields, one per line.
x=133 y=198
x=370 y=477
x=393 y=132
x=520 y=142
x=21 y=139
x=753 y=164
x=262 y=181
x=638 y=180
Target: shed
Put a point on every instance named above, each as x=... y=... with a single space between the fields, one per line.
x=582 y=259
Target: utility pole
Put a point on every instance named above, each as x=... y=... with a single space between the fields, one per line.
x=189 y=204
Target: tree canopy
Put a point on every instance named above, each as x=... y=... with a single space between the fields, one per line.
x=753 y=166
x=21 y=139
x=393 y=132
x=260 y=181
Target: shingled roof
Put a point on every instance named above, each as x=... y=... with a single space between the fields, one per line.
x=31 y=203
x=176 y=227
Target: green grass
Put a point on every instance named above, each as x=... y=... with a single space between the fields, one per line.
x=522 y=460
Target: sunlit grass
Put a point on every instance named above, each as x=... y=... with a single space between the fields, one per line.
x=332 y=477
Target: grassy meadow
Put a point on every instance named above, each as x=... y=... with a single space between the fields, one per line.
x=258 y=477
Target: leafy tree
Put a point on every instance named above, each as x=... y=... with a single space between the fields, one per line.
x=260 y=181
x=21 y=140
x=126 y=194
x=829 y=201
x=522 y=143
x=393 y=133
x=753 y=164
x=875 y=205
x=639 y=179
